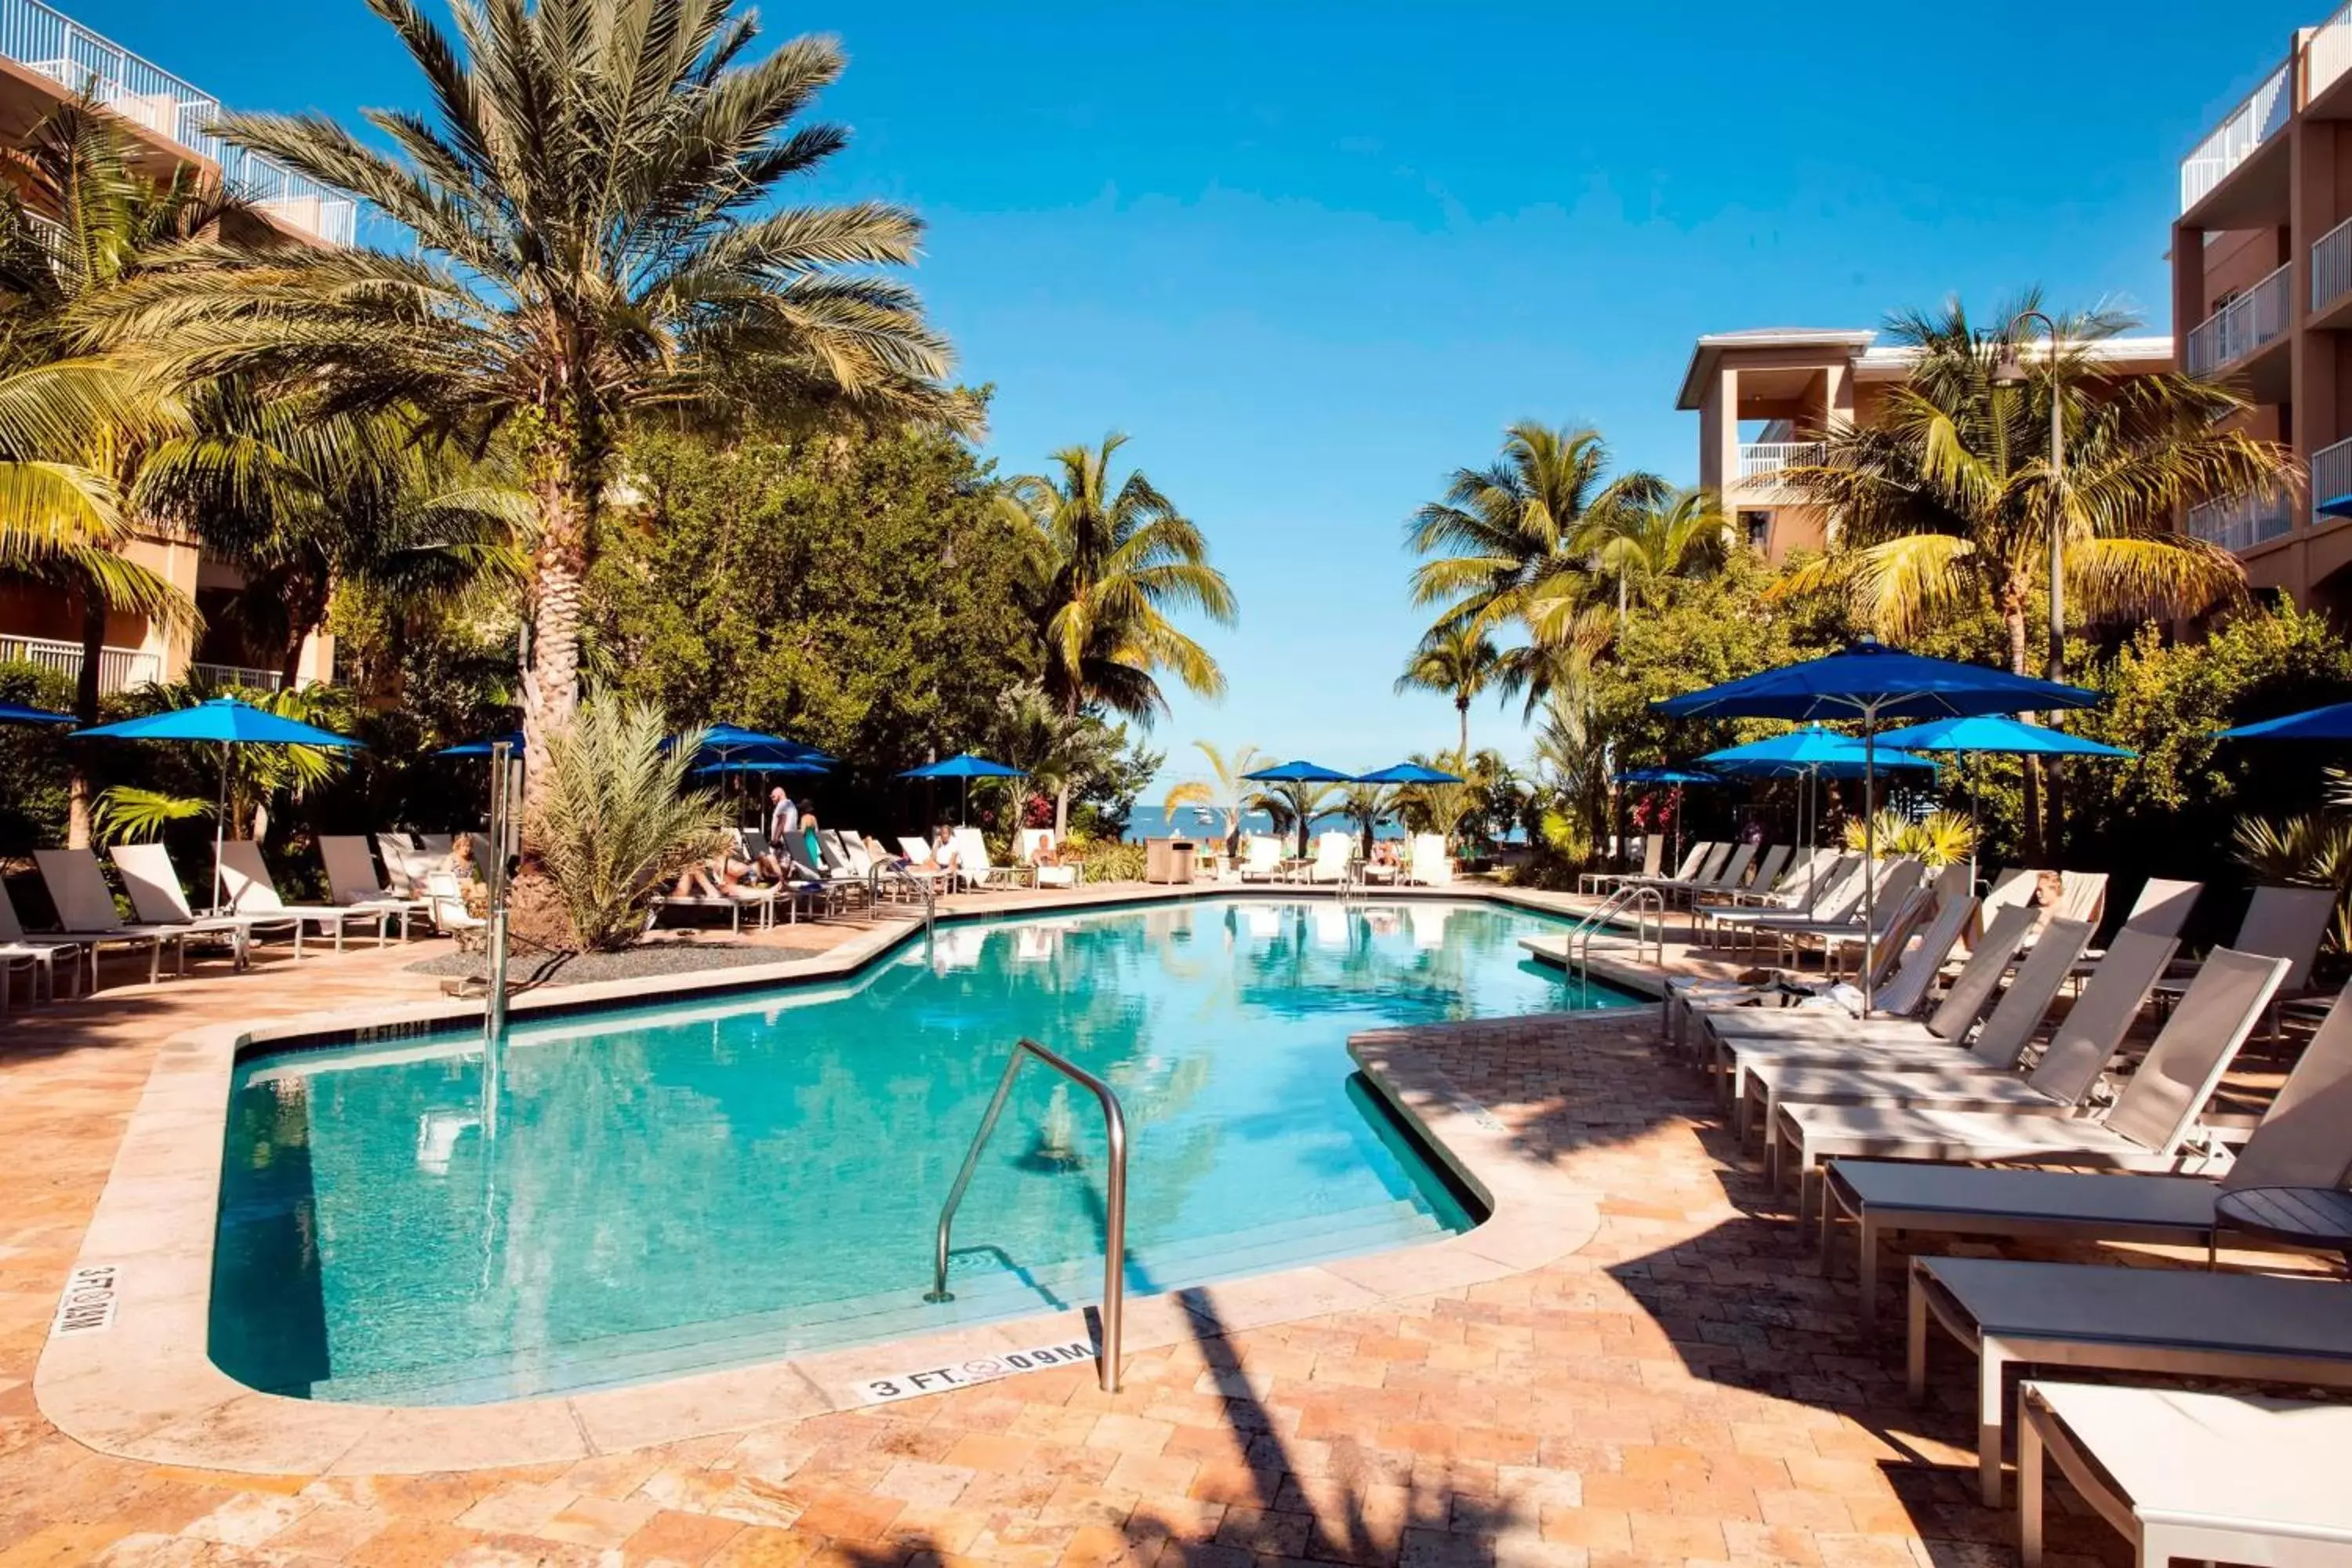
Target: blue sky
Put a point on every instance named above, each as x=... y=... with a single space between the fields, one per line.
x=1313 y=256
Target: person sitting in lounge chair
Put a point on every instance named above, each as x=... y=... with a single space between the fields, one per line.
x=944 y=857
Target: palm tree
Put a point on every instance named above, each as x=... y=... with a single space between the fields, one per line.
x=1681 y=533
x=1108 y=567
x=595 y=236
x=1947 y=503
x=1510 y=543
x=1229 y=794
x=1367 y=804
x=1458 y=661
x=79 y=224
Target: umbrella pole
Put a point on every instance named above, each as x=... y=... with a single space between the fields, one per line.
x=220 y=820
x=1869 y=850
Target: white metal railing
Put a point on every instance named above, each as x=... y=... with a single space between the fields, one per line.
x=2331 y=480
x=2254 y=121
x=2254 y=317
x=2328 y=54
x=2331 y=266
x=118 y=668
x=245 y=675
x=79 y=60
x=1760 y=460
x=2241 y=522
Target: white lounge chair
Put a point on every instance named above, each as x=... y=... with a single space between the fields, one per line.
x=1334 y=852
x=1430 y=866
x=445 y=905
x=84 y=907
x=2214 y=1477
x=2303 y=1140
x=159 y=898
x=979 y=871
x=245 y=877
x=351 y=880
x=82 y=951
x=1261 y=859
x=1653 y=851
x=1069 y=874
x=2146 y=1129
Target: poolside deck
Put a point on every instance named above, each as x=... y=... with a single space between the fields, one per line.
x=1681 y=1389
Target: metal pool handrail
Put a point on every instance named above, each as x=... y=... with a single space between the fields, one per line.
x=925 y=884
x=1579 y=941
x=1114 y=1298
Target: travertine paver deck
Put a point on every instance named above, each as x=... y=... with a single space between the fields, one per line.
x=1680 y=1390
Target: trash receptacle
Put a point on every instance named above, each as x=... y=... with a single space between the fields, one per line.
x=1167 y=859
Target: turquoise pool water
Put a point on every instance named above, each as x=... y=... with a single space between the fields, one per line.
x=636 y=1193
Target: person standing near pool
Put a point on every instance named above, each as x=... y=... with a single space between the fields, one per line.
x=783 y=817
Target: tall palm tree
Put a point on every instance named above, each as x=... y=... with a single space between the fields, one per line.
x=1681 y=533
x=1110 y=567
x=77 y=224
x=1510 y=543
x=1947 y=502
x=1458 y=662
x=592 y=202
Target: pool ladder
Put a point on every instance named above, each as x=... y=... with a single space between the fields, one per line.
x=1114 y=1297
x=925 y=885
x=1596 y=924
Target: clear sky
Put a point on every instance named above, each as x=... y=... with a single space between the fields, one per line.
x=1314 y=257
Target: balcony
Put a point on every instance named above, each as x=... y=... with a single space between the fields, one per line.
x=76 y=59
x=2327 y=55
x=244 y=675
x=1763 y=459
x=2261 y=116
x=118 y=668
x=2331 y=480
x=2253 y=321
x=2331 y=267
x=2242 y=522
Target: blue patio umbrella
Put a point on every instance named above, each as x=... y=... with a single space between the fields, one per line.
x=1297 y=775
x=1811 y=753
x=2330 y=724
x=762 y=765
x=1869 y=683
x=1999 y=735
x=17 y=713
x=511 y=740
x=967 y=767
x=1407 y=774
x=225 y=722
x=731 y=740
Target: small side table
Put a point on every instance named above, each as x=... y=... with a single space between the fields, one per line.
x=2317 y=1219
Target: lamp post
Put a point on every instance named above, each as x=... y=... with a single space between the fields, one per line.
x=2010 y=371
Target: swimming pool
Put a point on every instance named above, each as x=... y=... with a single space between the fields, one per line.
x=646 y=1192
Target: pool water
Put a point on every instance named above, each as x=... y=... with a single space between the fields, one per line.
x=641 y=1192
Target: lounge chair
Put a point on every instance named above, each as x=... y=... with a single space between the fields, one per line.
x=1334 y=853
x=1729 y=878
x=1653 y=851
x=1766 y=874
x=1694 y=860
x=158 y=899
x=804 y=877
x=40 y=967
x=1709 y=879
x=439 y=845
x=2083 y=896
x=1068 y=874
x=2303 y=1140
x=83 y=950
x=2214 y=1477
x=445 y=905
x=920 y=864
x=1896 y=880
x=84 y=907
x=978 y=871
x=2175 y=1322
x=2282 y=922
x=1261 y=859
x=2145 y=1129
x=1740 y=1043
x=1799 y=886
x=1430 y=866
x=1837 y=899
x=763 y=898
x=1804 y=1103
x=245 y=876
x=352 y=882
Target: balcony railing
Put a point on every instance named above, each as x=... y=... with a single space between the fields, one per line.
x=2328 y=54
x=244 y=675
x=118 y=668
x=2254 y=317
x=2242 y=522
x=2260 y=117
x=1762 y=459
x=2331 y=480
x=2331 y=266
x=79 y=60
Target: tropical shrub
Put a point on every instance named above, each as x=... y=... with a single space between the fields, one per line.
x=1108 y=860
x=615 y=824
x=1939 y=839
x=33 y=776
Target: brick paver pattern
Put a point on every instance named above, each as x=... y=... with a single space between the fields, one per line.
x=1682 y=1390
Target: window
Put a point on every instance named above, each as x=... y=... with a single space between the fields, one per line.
x=1756 y=527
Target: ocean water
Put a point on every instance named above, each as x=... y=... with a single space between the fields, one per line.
x=1153 y=822
x=636 y=1193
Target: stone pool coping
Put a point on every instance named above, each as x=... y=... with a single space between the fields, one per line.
x=145 y=1388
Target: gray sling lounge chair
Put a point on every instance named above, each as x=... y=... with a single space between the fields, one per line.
x=351 y=880
x=82 y=951
x=2145 y=1129
x=85 y=909
x=1653 y=851
x=2304 y=1140
x=2281 y=922
x=157 y=898
x=2177 y=1322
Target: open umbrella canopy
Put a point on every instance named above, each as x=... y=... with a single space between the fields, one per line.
x=962 y=766
x=511 y=740
x=1301 y=773
x=762 y=765
x=224 y=720
x=1810 y=750
x=2330 y=724
x=729 y=740
x=1996 y=733
x=1404 y=774
x=1872 y=682
x=17 y=713
x=1666 y=776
